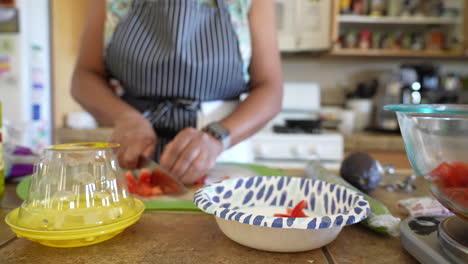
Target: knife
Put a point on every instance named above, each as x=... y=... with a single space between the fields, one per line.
x=161 y=177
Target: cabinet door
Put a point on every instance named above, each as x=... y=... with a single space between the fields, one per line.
x=68 y=19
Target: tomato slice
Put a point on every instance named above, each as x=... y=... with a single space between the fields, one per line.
x=167 y=184
x=156 y=190
x=145 y=190
x=297 y=210
x=460 y=174
x=145 y=176
x=131 y=182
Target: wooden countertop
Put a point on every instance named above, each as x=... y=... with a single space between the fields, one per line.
x=168 y=237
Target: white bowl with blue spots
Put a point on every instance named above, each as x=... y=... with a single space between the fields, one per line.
x=244 y=209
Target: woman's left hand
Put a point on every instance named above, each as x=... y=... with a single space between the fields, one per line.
x=191 y=154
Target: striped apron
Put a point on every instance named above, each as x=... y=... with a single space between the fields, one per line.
x=171 y=56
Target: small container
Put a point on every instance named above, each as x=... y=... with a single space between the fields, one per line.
x=351 y=39
x=77 y=197
x=436 y=40
x=377 y=8
x=377 y=40
x=365 y=41
x=345 y=6
x=358 y=7
x=394 y=7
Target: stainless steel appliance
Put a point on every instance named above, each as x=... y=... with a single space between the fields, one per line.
x=412 y=84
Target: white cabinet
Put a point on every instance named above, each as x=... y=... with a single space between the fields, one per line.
x=304 y=25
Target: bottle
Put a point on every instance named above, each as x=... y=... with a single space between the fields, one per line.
x=345 y=6
x=2 y=174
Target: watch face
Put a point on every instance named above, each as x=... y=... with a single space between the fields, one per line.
x=219 y=130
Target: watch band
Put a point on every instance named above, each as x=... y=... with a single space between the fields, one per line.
x=220 y=132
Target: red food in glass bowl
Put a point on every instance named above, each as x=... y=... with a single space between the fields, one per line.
x=449 y=183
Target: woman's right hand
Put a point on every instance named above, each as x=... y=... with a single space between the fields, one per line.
x=136 y=137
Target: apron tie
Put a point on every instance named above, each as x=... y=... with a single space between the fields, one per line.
x=160 y=109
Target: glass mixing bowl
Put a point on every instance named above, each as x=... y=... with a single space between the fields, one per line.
x=436 y=141
x=76 y=189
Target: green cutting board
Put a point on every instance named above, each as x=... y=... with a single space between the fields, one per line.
x=174 y=205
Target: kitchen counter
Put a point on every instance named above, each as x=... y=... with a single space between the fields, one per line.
x=362 y=141
x=169 y=237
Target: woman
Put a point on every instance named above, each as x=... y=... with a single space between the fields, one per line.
x=183 y=65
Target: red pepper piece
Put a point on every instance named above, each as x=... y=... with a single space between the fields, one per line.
x=298 y=208
x=282 y=215
x=301 y=214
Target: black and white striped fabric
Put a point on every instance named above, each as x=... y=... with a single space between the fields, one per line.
x=171 y=55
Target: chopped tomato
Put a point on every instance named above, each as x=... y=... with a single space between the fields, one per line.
x=452 y=181
x=145 y=176
x=453 y=174
x=168 y=185
x=201 y=181
x=131 y=182
x=296 y=212
x=145 y=190
x=156 y=190
x=145 y=185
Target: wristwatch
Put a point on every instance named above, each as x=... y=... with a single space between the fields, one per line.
x=220 y=132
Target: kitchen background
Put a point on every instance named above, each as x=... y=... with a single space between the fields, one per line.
x=348 y=55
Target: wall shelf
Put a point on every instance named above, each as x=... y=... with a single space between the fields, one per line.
x=396 y=53
x=357 y=19
x=453 y=28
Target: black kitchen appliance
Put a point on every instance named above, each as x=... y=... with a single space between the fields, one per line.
x=419 y=83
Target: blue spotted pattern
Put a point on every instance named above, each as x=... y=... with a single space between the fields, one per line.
x=227 y=195
x=260 y=193
x=219 y=189
x=329 y=205
x=283 y=198
x=247 y=198
x=249 y=183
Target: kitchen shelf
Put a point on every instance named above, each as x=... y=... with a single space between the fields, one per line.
x=357 y=19
x=395 y=53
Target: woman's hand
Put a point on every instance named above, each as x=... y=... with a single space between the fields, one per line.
x=191 y=154
x=136 y=137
